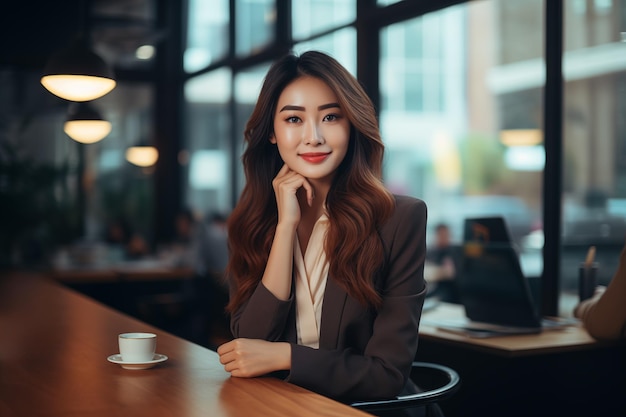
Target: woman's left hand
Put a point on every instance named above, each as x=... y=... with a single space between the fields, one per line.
x=254 y=357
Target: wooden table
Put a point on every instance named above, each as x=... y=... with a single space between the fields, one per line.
x=571 y=338
x=553 y=373
x=54 y=345
x=122 y=272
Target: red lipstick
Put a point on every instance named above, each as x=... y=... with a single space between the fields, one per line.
x=315 y=157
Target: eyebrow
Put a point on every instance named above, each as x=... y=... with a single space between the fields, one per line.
x=300 y=108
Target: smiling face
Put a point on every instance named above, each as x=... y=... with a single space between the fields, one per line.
x=310 y=129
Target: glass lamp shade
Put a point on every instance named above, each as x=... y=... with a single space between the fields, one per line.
x=87 y=131
x=78 y=74
x=85 y=125
x=143 y=156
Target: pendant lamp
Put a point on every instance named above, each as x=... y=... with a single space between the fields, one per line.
x=76 y=73
x=84 y=124
x=142 y=155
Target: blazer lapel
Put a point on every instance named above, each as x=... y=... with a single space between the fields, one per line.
x=332 y=311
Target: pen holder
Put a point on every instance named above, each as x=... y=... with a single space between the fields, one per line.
x=587 y=280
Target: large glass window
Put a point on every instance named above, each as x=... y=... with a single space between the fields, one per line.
x=247 y=87
x=594 y=132
x=310 y=17
x=255 y=25
x=340 y=44
x=207 y=155
x=451 y=101
x=415 y=50
x=207 y=33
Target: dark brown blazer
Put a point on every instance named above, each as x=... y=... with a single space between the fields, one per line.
x=363 y=354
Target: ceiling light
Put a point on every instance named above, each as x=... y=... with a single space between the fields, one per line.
x=142 y=155
x=85 y=125
x=76 y=73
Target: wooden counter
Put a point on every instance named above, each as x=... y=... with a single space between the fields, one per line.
x=548 y=341
x=54 y=345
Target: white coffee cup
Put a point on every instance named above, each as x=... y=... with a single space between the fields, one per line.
x=137 y=347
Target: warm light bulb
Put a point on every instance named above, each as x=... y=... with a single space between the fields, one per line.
x=521 y=137
x=143 y=156
x=78 y=87
x=87 y=131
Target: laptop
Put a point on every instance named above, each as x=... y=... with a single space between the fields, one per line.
x=486 y=230
x=492 y=287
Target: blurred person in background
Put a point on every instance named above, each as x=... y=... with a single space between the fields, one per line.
x=184 y=249
x=202 y=245
x=124 y=243
x=441 y=266
x=198 y=244
x=213 y=258
x=215 y=251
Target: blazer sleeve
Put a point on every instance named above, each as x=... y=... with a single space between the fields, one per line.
x=376 y=364
x=275 y=312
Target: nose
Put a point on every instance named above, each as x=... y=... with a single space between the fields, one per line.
x=313 y=134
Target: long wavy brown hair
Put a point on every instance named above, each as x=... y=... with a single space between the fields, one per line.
x=357 y=202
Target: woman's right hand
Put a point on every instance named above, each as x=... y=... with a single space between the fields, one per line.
x=249 y=358
x=286 y=185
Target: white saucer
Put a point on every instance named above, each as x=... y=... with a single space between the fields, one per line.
x=117 y=358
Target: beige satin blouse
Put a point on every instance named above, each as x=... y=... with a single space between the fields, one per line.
x=311 y=273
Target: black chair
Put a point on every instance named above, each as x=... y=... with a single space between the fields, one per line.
x=436 y=382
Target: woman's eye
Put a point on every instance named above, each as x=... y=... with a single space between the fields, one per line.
x=292 y=119
x=331 y=117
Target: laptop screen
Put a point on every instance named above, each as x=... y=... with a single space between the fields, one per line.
x=486 y=230
x=493 y=288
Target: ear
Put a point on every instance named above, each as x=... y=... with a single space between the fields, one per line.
x=273 y=139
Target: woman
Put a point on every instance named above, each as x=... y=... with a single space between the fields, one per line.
x=326 y=266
